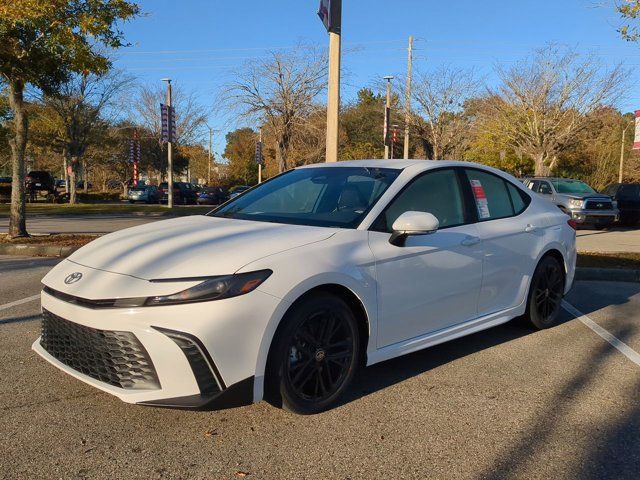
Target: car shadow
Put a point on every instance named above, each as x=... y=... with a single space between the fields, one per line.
x=613 y=442
x=388 y=373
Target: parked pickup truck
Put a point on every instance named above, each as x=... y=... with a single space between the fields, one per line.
x=577 y=199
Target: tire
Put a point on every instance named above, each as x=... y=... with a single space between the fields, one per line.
x=545 y=293
x=314 y=356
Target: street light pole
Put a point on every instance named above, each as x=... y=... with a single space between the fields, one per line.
x=210 y=156
x=387 y=117
x=260 y=163
x=169 y=148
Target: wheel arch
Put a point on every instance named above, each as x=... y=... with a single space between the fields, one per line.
x=353 y=300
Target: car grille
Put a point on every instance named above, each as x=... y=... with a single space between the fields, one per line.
x=598 y=205
x=116 y=358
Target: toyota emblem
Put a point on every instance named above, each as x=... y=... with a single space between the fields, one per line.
x=73 y=278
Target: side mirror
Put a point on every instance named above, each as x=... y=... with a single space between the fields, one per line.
x=412 y=223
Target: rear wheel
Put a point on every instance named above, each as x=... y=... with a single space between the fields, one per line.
x=315 y=355
x=545 y=293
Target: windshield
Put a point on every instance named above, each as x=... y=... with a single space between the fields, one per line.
x=323 y=196
x=572 y=187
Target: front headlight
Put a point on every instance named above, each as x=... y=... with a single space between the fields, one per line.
x=574 y=202
x=614 y=204
x=214 y=288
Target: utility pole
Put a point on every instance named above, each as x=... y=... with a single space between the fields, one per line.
x=210 y=156
x=407 y=100
x=331 y=15
x=387 y=117
x=169 y=148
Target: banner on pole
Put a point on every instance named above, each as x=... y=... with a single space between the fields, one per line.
x=259 y=157
x=330 y=12
x=636 y=139
x=168 y=123
x=386 y=128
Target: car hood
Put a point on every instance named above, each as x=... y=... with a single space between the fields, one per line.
x=193 y=246
x=588 y=196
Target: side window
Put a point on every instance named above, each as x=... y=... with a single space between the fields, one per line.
x=519 y=199
x=491 y=195
x=545 y=188
x=534 y=185
x=438 y=193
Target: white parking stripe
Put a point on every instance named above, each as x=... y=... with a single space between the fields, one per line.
x=19 y=302
x=625 y=349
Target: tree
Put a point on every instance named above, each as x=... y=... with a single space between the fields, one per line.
x=362 y=125
x=437 y=115
x=191 y=120
x=240 y=153
x=79 y=108
x=629 y=10
x=280 y=90
x=487 y=142
x=541 y=104
x=42 y=43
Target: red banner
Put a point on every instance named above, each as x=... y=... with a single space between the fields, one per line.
x=636 y=139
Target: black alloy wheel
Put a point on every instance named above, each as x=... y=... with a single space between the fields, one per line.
x=316 y=354
x=547 y=289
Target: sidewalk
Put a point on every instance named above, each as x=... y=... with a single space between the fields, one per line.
x=615 y=241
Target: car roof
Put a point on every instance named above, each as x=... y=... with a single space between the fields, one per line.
x=555 y=179
x=393 y=164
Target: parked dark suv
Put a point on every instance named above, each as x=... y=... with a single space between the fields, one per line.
x=628 y=197
x=183 y=193
x=40 y=183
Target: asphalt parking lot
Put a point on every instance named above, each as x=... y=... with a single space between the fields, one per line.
x=505 y=403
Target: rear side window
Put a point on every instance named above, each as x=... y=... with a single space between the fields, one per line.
x=629 y=192
x=494 y=197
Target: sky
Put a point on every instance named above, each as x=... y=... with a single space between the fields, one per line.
x=201 y=43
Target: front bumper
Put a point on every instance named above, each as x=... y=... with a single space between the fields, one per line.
x=227 y=333
x=595 y=217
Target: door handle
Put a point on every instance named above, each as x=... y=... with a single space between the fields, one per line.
x=530 y=228
x=470 y=241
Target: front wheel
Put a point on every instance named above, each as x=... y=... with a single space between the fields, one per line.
x=315 y=355
x=545 y=293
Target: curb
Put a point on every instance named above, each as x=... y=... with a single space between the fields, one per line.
x=608 y=274
x=36 y=250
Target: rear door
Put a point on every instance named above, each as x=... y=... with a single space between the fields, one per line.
x=511 y=239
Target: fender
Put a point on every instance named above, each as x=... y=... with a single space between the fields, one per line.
x=363 y=289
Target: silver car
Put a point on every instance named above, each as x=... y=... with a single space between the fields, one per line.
x=147 y=194
x=577 y=199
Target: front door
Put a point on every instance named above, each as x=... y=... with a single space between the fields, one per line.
x=433 y=281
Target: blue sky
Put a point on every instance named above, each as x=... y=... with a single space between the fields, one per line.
x=199 y=43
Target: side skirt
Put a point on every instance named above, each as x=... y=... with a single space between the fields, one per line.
x=440 y=336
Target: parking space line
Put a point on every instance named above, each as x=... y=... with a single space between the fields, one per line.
x=19 y=302
x=622 y=347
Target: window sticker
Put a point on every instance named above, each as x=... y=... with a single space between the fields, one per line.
x=481 y=199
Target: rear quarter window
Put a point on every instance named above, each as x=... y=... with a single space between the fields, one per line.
x=495 y=197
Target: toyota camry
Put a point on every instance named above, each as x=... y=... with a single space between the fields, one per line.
x=285 y=291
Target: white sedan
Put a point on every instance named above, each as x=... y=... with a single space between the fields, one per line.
x=283 y=292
